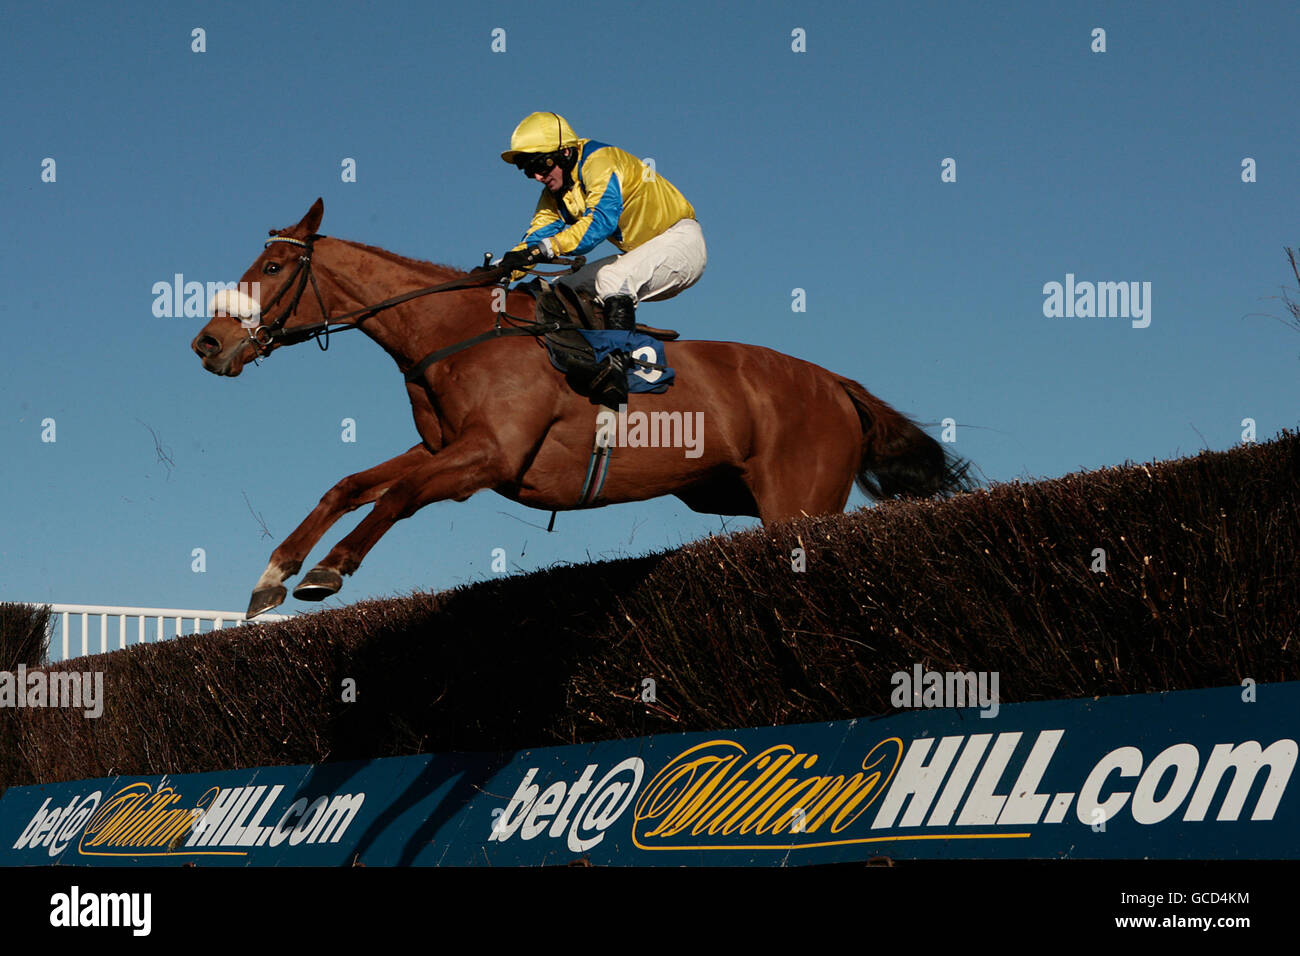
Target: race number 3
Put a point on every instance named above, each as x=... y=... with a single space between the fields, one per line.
x=647 y=353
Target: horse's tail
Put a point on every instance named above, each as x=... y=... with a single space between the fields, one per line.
x=898 y=459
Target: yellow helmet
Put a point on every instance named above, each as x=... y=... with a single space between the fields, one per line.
x=540 y=133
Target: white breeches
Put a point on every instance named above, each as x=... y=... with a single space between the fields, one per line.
x=658 y=269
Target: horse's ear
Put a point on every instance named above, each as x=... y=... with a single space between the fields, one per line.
x=311 y=222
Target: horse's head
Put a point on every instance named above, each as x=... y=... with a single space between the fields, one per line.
x=275 y=281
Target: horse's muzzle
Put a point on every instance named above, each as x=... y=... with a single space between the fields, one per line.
x=210 y=349
x=205 y=346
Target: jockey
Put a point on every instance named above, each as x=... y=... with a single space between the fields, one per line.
x=594 y=192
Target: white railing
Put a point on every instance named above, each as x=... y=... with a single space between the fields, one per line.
x=63 y=623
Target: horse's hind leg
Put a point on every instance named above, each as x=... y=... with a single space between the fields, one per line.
x=349 y=494
x=801 y=481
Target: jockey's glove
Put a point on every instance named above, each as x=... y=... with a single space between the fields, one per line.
x=517 y=259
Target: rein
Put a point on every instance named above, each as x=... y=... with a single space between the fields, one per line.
x=264 y=335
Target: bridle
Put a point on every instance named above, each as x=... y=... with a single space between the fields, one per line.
x=265 y=335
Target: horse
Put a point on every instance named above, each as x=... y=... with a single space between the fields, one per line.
x=782 y=437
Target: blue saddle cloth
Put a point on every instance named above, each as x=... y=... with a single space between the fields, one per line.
x=639 y=346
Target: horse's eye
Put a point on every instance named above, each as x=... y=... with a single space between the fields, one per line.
x=271 y=268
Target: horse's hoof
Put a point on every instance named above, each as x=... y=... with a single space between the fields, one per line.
x=264 y=599
x=318 y=584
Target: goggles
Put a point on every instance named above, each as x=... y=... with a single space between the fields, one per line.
x=534 y=164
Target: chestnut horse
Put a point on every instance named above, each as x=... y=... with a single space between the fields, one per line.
x=781 y=437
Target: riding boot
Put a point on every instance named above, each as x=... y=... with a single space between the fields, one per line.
x=609 y=386
x=620 y=313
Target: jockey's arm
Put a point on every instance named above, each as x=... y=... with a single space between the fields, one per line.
x=546 y=223
x=604 y=207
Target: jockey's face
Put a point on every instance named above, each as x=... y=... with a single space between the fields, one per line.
x=553 y=179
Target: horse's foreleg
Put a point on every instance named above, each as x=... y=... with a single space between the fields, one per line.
x=349 y=494
x=470 y=464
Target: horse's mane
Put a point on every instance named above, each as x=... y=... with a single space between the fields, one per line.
x=437 y=271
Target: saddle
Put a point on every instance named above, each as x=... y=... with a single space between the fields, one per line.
x=562 y=303
x=576 y=309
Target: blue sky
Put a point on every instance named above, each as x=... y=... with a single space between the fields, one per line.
x=817 y=170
